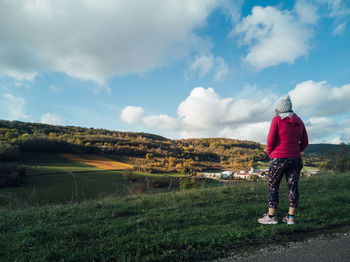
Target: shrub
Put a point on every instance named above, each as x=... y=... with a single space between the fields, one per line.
x=11 y=174
x=338 y=161
x=187 y=183
x=129 y=176
x=158 y=183
x=138 y=188
x=9 y=152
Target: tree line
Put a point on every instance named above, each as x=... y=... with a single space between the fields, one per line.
x=148 y=151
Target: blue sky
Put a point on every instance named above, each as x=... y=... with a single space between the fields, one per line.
x=184 y=68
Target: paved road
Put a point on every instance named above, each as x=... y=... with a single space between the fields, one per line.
x=320 y=249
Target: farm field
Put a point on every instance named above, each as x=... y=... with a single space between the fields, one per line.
x=98 y=161
x=53 y=179
x=47 y=163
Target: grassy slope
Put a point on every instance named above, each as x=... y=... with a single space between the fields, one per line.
x=190 y=225
x=47 y=163
x=54 y=179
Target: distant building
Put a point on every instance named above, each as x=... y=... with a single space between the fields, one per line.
x=227 y=174
x=251 y=173
x=212 y=175
x=243 y=174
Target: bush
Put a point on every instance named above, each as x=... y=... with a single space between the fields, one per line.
x=338 y=161
x=187 y=183
x=9 y=152
x=11 y=174
x=129 y=176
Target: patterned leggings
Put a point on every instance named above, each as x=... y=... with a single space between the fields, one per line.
x=278 y=167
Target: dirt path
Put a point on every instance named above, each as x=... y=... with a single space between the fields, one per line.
x=328 y=246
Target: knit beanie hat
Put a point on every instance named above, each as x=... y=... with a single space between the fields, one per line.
x=284 y=104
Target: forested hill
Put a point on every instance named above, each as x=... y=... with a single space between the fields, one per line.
x=151 y=152
x=146 y=151
x=324 y=150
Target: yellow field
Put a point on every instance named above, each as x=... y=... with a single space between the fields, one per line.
x=97 y=161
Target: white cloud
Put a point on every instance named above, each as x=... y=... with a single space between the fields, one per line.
x=232 y=9
x=276 y=36
x=95 y=40
x=52 y=119
x=13 y=108
x=320 y=104
x=207 y=63
x=340 y=28
x=345 y=131
x=19 y=75
x=252 y=131
x=161 y=122
x=221 y=69
x=320 y=128
x=306 y=13
x=132 y=114
x=334 y=140
x=202 y=64
x=339 y=10
x=204 y=113
x=204 y=108
x=320 y=99
x=337 y=7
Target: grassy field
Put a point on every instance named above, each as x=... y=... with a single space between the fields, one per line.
x=53 y=179
x=192 y=225
x=45 y=163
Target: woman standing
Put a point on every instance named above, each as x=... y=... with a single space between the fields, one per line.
x=286 y=140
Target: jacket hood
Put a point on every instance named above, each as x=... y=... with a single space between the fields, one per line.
x=293 y=120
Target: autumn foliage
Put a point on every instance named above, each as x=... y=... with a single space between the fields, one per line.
x=145 y=152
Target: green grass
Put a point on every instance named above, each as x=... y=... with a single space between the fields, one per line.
x=52 y=179
x=60 y=188
x=46 y=163
x=65 y=187
x=191 y=225
x=310 y=168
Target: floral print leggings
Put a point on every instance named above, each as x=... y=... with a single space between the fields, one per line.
x=278 y=167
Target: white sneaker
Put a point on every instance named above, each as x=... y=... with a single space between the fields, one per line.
x=267 y=220
x=288 y=220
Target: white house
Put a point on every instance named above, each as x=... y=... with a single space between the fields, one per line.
x=242 y=175
x=212 y=175
x=226 y=174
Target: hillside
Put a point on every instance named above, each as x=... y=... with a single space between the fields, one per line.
x=324 y=150
x=147 y=152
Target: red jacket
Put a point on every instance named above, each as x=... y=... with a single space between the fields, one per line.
x=287 y=137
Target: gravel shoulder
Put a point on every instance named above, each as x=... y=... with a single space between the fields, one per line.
x=327 y=245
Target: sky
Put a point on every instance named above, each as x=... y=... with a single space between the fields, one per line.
x=177 y=68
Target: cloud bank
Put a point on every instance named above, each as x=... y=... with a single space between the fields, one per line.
x=204 y=113
x=52 y=119
x=95 y=40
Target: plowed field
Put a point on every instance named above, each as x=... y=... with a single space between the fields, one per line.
x=97 y=161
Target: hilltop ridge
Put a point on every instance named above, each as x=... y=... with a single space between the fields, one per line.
x=148 y=152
